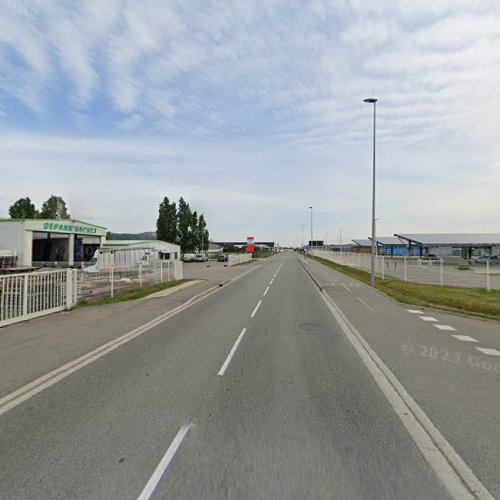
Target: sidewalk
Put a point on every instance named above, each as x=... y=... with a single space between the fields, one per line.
x=33 y=348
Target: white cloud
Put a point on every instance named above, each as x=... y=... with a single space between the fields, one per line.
x=256 y=86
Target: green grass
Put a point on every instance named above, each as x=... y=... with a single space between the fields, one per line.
x=244 y=263
x=262 y=255
x=470 y=301
x=463 y=267
x=137 y=293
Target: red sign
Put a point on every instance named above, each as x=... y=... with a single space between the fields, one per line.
x=250 y=245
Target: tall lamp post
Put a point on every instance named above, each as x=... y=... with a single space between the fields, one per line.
x=373 y=101
x=312 y=242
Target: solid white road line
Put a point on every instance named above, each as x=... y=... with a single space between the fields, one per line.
x=365 y=304
x=271 y=282
x=415 y=311
x=164 y=462
x=347 y=288
x=264 y=294
x=447 y=328
x=256 y=308
x=45 y=381
x=489 y=351
x=231 y=353
x=450 y=468
x=427 y=318
x=465 y=338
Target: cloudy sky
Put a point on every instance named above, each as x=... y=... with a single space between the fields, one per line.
x=253 y=111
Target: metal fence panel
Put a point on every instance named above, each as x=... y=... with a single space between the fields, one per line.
x=436 y=271
x=29 y=295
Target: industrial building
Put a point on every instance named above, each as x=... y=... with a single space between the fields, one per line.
x=465 y=245
x=34 y=242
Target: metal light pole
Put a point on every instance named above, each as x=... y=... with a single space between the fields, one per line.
x=373 y=101
x=311 y=208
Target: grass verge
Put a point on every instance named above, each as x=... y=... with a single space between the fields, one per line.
x=262 y=255
x=134 y=294
x=471 y=301
x=244 y=263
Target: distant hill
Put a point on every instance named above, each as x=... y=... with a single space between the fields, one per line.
x=148 y=235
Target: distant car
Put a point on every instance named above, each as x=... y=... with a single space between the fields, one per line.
x=189 y=257
x=201 y=257
x=223 y=258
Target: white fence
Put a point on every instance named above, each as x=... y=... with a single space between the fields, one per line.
x=239 y=258
x=115 y=280
x=450 y=272
x=29 y=295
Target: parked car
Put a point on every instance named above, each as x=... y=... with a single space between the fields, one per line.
x=189 y=257
x=223 y=258
x=201 y=257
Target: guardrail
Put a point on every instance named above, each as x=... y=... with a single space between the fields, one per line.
x=238 y=258
x=29 y=295
x=434 y=271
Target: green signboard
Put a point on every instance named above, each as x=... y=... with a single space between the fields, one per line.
x=69 y=228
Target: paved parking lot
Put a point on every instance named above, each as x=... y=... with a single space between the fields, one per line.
x=214 y=271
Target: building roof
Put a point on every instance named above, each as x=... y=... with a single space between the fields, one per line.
x=363 y=243
x=381 y=240
x=58 y=221
x=453 y=239
x=389 y=241
x=137 y=243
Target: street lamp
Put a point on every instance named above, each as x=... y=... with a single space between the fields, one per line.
x=373 y=101
x=311 y=208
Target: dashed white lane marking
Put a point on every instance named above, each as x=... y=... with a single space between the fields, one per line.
x=256 y=309
x=365 y=304
x=489 y=351
x=271 y=282
x=164 y=462
x=465 y=338
x=415 y=311
x=231 y=353
x=427 y=318
x=346 y=287
x=267 y=290
x=448 y=328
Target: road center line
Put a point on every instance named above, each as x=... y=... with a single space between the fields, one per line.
x=365 y=304
x=164 y=462
x=346 y=287
x=264 y=294
x=271 y=282
x=256 y=308
x=231 y=353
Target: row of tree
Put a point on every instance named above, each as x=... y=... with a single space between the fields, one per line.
x=53 y=208
x=176 y=223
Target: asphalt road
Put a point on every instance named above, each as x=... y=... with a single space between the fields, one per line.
x=254 y=392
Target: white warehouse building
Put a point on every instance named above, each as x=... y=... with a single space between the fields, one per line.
x=50 y=241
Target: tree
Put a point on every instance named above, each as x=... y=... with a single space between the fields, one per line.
x=109 y=235
x=202 y=233
x=54 y=208
x=166 y=224
x=194 y=239
x=23 y=209
x=184 y=222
